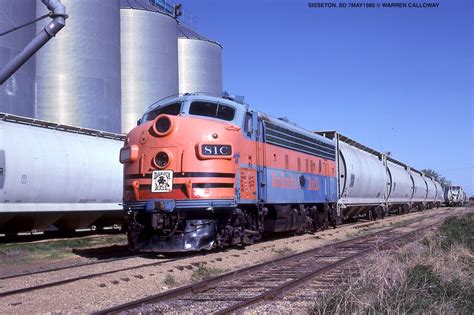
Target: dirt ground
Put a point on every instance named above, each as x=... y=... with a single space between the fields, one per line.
x=106 y=291
x=28 y=256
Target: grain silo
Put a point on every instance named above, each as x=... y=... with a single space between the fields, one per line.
x=78 y=74
x=17 y=94
x=149 y=52
x=200 y=63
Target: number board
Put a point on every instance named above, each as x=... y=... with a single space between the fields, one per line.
x=216 y=149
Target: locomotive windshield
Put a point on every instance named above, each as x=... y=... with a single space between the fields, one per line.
x=171 y=109
x=213 y=110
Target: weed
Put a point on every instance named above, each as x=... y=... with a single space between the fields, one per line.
x=284 y=251
x=203 y=272
x=56 y=255
x=434 y=275
x=52 y=249
x=63 y=243
x=170 y=280
x=458 y=230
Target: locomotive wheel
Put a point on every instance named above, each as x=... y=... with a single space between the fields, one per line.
x=311 y=219
x=241 y=228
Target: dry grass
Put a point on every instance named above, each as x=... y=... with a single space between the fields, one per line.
x=54 y=249
x=435 y=275
x=170 y=280
x=284 y=251
x=203 y=271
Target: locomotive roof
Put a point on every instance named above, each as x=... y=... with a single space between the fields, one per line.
x=196 y=96
x=290 y=126
x=242 y=106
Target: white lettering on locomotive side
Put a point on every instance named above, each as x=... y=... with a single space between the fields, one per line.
x=209 y=149
x=224 y=150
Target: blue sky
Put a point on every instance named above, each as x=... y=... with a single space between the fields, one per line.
x=397 y=80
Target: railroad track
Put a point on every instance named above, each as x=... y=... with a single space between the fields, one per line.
x=236 y=290
x=86 y=264
x=86 y=274
x=111 y=260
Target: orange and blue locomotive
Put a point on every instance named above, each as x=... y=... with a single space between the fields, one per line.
x=203 y=171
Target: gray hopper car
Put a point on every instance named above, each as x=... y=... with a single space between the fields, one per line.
x=371 y=182
x=58 y=176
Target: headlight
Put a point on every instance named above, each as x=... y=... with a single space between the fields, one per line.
x=161 y=160
x=129 y=154
x=162 y=125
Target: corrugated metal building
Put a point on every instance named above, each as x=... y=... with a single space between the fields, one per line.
x=200 y=63
x=149 y=52
x=78 y=72
x=111 y=61
x=17 y=94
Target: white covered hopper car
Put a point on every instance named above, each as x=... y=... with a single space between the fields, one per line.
x=57 y=176
x=370 y=182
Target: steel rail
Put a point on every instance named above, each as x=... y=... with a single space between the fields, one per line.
x=6 y=277
x=84 y=277
x=210 y=283
x=30 y=273
x=293 y=284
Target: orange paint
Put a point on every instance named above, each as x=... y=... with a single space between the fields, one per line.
x=182 y=138
x=183 y=141
x=136 y=189
x=248 y=183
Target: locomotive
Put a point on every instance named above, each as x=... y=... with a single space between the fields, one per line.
x=454 y=196
x=203 y=171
